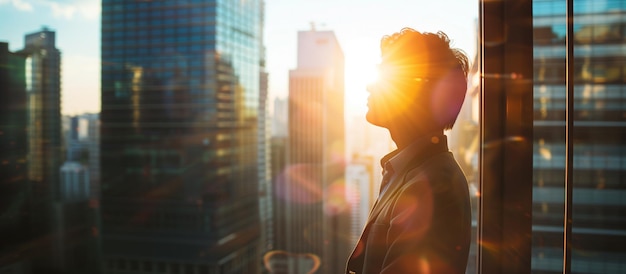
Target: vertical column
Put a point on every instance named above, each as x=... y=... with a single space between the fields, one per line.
x=505 y=205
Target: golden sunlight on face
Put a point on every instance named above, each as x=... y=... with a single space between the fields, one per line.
x=386 y=99
x=370 y=73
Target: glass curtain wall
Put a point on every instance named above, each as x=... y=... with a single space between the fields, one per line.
x=598 y=133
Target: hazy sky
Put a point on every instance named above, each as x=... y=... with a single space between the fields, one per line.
x=358 y=25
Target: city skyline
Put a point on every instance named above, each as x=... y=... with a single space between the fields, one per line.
x=77 y=24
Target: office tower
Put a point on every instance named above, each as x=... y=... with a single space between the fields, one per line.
x=13 y=165
x=179 y=136
x=313 y=208
x=279 y=118
x=89 y=135
x=265 y=179
x=43 y=88
x=82 y=145
x=75 y=185
x=278 y=158
x=599 y=155
x=362 y=193
x=71 y=145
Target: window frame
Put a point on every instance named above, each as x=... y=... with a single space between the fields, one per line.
x=505 y=202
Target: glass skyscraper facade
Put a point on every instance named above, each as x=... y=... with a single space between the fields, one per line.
x=43 y=88
x=13 y=152
x=311 y=213
x=599 y=134
x=179 y=136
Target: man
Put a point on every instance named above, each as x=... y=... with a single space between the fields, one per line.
x=421 y=220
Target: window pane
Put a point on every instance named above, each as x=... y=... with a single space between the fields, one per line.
x=598 y=134
x=548 y=136
x=152 y=136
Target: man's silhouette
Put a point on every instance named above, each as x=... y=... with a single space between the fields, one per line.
x=421 y=221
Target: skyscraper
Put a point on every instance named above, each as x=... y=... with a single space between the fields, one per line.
x=51 y=214
x=313 y=211
x=599 y=155
x=265 y=181
x=179 y=135
x=43 y=88
x=82 y=145
x=279 y=118
x=14 y=221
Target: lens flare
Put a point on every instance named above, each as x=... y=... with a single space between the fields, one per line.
x=339 y=197
x=300 y=184
x=279 y=262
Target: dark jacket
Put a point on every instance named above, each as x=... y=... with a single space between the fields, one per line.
x=421 y=223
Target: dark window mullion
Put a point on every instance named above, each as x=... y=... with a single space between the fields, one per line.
x=569 y=145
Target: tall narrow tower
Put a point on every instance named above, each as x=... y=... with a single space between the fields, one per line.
x=43 y=89
x=312 y=220
x=43 y=123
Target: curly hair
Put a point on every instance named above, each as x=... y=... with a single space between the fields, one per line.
x=428 y=50
x=428 y=58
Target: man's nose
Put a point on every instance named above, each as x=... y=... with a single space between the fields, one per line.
x=373 y=87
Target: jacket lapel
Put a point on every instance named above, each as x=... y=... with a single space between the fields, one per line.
x=394 y=186
x=424 y=153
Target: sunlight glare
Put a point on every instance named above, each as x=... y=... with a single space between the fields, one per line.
x=361 y=70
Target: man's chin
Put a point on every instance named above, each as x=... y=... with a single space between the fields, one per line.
x=374 y=120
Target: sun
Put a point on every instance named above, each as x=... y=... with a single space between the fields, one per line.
x=360 y=71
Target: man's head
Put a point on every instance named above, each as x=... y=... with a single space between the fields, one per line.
x=422 y=82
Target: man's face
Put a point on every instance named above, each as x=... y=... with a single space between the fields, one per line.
x=390 y=98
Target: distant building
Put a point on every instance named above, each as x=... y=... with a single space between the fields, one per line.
x=264 y=153
x=82 y=145
x=75 y=184
x=311 y=192
x=43 y=88
x=280 y=117
x=361 y=193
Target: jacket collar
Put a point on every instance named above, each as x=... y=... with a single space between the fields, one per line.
x=399 y=158
x=419 y=150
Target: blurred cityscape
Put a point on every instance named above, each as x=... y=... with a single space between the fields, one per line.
x=190 y=167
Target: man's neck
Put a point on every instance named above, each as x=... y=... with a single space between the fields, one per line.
x=404 y=137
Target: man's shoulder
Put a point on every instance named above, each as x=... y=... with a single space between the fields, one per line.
x=435 y=164
x=441 y=167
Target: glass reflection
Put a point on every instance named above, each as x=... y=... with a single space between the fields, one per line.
x=598 y=131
